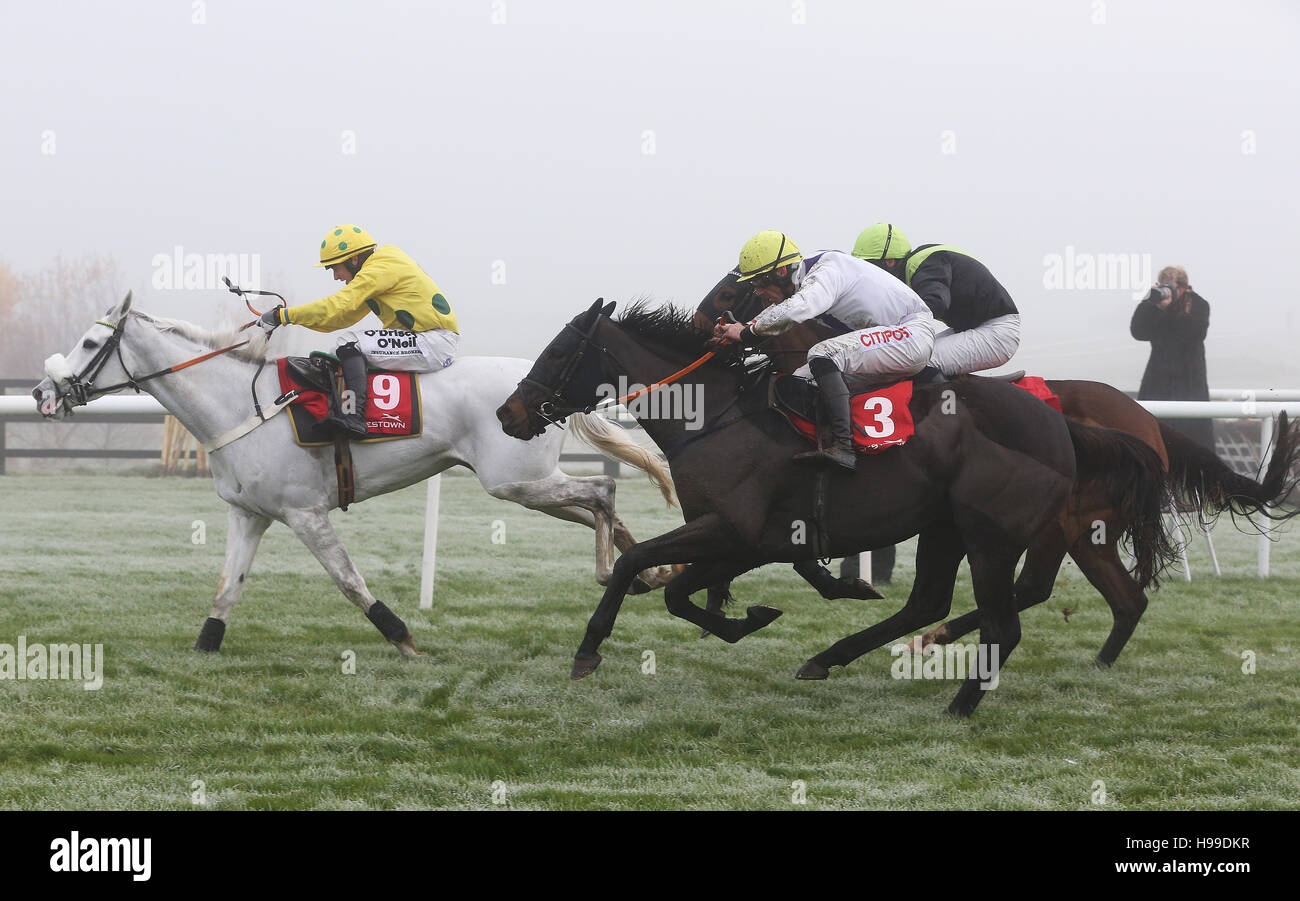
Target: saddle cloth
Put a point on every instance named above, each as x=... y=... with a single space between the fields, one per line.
x=881 y=417
x=393 y=408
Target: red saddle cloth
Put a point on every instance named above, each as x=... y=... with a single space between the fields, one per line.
x=881 y=419
x=1038 y=388
x=392 y=407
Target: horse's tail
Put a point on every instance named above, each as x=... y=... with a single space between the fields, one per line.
x=1133 y=480
x=611 y=439
x=1202 y=480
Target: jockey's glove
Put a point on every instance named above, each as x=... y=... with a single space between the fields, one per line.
x=270 y=319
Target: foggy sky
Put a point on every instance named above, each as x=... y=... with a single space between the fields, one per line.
x=520 y=148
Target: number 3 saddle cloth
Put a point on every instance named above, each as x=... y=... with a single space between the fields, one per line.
x=881 y=413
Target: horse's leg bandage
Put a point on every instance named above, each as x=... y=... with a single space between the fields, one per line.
x=387 y=622
x=210 y=635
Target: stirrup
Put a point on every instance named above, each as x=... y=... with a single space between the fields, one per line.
x=354 y=427
x=836 y=455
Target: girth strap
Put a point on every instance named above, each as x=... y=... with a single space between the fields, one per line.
x=343 y=468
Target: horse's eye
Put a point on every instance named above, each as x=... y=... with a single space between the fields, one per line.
x=88 y=344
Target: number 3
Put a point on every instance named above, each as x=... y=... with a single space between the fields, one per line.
x=387 y=391
x=883 y=426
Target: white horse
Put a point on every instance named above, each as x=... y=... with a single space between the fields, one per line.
x=264 y=475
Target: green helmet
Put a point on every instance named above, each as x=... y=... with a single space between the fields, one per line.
x=882 y=241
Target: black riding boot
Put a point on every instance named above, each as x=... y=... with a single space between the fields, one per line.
x=835 y=404
x=356 y=380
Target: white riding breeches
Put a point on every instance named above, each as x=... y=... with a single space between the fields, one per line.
x=986 y=346
x=405 y=351
x=889 y=351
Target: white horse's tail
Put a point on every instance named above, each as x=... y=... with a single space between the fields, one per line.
x=611 y=439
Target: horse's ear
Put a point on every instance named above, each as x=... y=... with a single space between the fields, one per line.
x=118 y=311
x=609 y=308
x=594 y=309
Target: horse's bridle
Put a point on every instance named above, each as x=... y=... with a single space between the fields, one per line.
x=81 y=386
x=555 y=408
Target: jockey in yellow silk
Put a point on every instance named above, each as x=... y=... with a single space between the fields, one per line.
x=420 y=333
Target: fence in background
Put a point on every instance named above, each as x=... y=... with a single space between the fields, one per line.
x=1256 y=404
x=132 y=409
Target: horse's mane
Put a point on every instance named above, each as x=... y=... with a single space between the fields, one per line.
x=256 y=351
x=666 y=326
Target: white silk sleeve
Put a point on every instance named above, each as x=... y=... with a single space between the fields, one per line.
x=819 y=291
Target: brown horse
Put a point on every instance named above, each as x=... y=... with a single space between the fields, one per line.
x=978 y=480
x=1194 y=473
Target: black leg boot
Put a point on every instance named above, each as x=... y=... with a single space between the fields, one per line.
x=356 y=380
x=835 y=404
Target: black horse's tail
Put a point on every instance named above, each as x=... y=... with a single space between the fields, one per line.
x=1203 y=481
x=1133 y=480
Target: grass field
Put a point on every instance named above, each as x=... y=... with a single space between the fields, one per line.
x=489 y=715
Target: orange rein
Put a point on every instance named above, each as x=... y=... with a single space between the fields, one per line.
x=668 y=381
x=216 y=353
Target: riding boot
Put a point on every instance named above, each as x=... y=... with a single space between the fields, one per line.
x=356 y=380
x=835 y=405
x=930 y=375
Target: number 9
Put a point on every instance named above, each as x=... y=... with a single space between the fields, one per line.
x=386 y=391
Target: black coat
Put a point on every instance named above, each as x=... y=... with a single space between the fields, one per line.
x=1176 y=369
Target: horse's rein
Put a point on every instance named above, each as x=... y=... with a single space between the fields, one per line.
x=115 y=344
x=667 y=381
x=675 y=376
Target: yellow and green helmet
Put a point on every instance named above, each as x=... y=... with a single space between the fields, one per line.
x=343 y=243
x=882 y=241
x=766 y=251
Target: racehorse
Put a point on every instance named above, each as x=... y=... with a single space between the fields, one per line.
x=265 y=476
x=980 y=478
x=1195 y=475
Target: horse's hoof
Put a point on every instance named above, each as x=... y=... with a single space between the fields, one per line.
x=920 y=645
x=761 y=615
x=705 y=633
x=408 y=648
x=584 y=666
x=811 y=671
x=639 y=587
x=862 y=590
x=1103 y=664
x=658 y=577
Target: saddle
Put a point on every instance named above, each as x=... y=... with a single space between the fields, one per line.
x=315 y=373
x=393 y=409
x=881 y=415
x=790 y=394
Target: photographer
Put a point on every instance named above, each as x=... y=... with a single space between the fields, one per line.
x=1175 y=319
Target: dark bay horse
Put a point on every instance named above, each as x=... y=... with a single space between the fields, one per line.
x=1195 y=475
x=980 y=479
